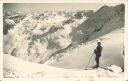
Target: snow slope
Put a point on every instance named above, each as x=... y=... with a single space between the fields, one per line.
x=104 y=21
x=17 y=68
x=112 y=52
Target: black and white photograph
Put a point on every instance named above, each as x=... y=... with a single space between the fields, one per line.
x=63 y=40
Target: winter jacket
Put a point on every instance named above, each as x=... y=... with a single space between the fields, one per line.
x=98 y=51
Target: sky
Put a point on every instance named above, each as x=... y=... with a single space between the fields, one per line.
x=34 y=7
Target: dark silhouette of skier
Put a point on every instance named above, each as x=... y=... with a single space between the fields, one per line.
x=97 y=52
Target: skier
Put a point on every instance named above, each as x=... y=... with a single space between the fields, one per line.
x=97 y=52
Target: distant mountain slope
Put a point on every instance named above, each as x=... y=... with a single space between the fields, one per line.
x=105 y=20
x=37 y=36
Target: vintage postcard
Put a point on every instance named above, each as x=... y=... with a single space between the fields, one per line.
x=64 y=40
x=68 y=40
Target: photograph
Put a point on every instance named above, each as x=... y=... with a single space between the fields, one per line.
x=63 y=40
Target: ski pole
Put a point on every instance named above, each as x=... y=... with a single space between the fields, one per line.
x=89 y=61
x=94 y=61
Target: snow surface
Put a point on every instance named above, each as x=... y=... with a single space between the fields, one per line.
x=17 y=68
x=9 y=21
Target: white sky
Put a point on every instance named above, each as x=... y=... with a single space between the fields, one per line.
x=53 y=6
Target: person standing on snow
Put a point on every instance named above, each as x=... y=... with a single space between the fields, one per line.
x=97 y=52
